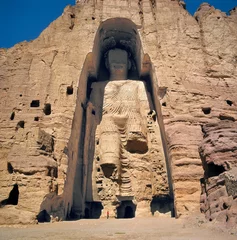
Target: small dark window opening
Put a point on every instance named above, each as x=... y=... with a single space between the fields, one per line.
x=69 y=90
x=229 y=102
x=20 y=95
x=98 y=159
x=214 y=170
x=12 y=116
x=98 y=169
x=47 y=109
x=35 y=103
x=43 y=147
x=164 y=104
x=93 y=18
x=206 y=110
x=20 y=124
x=225 y=206
x=9 y=168
x=36 y=119
x=93 y=112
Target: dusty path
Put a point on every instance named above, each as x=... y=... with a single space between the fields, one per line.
x=137 y=228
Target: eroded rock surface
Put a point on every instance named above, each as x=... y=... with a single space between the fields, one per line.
x=218 y=152
x=191 y=62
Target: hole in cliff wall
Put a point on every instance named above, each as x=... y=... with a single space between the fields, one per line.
x=126 y=209
x=47 y=109
x=13 y=197
x=12 y=116
x=108 y=169
x=206 y=110
x=93 y=210
x=162 y=205
x=20 y=124
x=164 y=104
x=36 y=119
x=9 y=168
x=20 y=95
x=137 y=145
x=43 y=216
x=214 y=170
x=35 y=103
x=52 y=172
x=69 y=90
x=229 y=102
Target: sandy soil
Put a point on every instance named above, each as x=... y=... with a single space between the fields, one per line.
x=136 y=228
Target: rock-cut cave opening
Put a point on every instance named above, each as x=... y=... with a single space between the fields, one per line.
x=126 y=209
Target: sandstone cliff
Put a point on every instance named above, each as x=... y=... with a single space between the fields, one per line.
x=192 y=61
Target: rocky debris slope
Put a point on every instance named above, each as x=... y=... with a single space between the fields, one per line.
x=218 y=152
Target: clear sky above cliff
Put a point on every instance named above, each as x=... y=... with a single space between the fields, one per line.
x=25 y=19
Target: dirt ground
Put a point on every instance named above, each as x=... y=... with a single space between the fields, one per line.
x=158 y=228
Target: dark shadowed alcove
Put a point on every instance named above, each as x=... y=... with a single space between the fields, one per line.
x=126 y=209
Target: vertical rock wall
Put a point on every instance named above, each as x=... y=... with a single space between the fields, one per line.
x=194 y=62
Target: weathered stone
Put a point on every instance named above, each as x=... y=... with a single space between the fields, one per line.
x=218 y=154
x=185 y=68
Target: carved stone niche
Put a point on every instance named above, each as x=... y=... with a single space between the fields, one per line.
x=122 y=164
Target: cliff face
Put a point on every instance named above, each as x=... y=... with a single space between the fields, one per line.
x=219 y=186
x=44 y=83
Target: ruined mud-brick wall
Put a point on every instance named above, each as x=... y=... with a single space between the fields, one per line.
x=194 y=61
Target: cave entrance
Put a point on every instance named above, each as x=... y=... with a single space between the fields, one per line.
x=93 y=210
x=129 y=212
x=126 y=209
x=162 y=205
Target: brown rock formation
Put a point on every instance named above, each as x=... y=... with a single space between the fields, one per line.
x=218 y=152
x=185 y=65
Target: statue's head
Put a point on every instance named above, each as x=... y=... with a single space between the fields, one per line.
x=118 y=64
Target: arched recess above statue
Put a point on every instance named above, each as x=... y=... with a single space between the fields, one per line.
x=116 y=33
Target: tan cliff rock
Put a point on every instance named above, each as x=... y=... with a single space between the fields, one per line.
x=188 y=67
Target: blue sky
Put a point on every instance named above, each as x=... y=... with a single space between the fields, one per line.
x=25 y=19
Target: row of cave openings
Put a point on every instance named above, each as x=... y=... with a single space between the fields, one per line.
x=127 y=209
x=207 y=110
x=36 y=104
